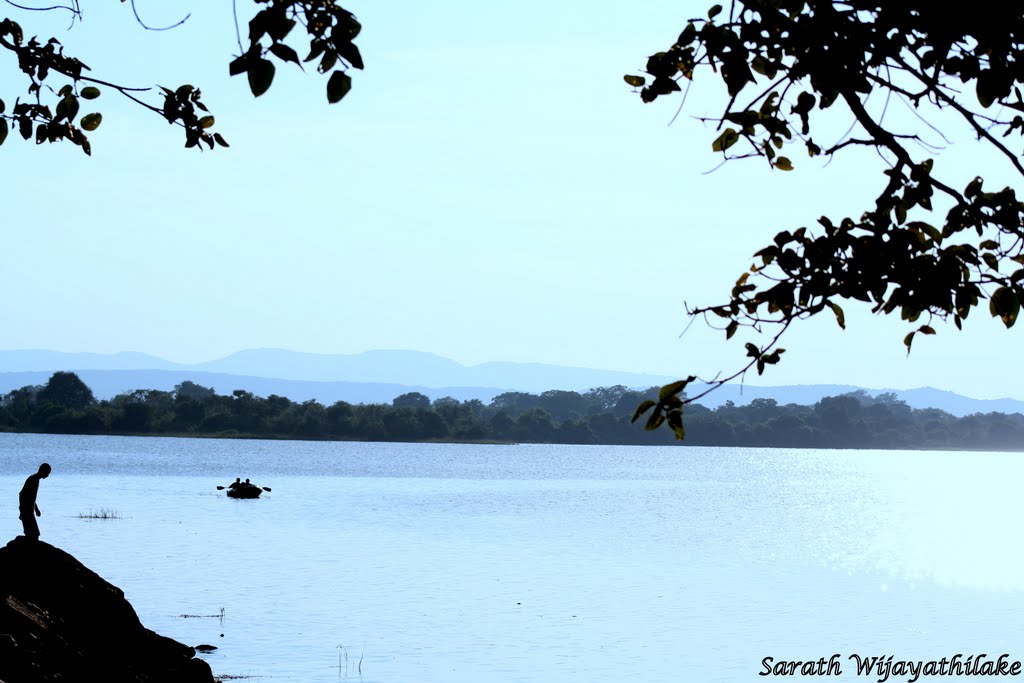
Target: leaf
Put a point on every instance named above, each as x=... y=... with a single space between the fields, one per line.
x=91 y=122
x=350 y=52
x=730 y=329
x=840 y=316
x=261 y=75
x=1005 y=305
x=973 y=187
x=784 y=164
x=908 y=340
x=901 y=212
x=90 y=93
x=714 y=11
x=328 y=61
x=673 y=388
x=258 y=26
x=352 y=26
x=3 y=130
x=635 y=81
x=688 y=34
x=67 y=108
x=316 y=49
x=641 y=409
x=220 y=140
x=727 y=139
x=986 y=96
x=239 y=65
x=280 y=27
x=285 y=53
x=206 y=122
x=654 y=421
x=675 y=421
x=338 y=86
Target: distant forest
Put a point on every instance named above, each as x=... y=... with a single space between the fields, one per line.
x=65 y=405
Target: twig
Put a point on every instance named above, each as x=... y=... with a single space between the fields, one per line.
x=143 y=24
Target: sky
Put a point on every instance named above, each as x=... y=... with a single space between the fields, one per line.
x=490 y=190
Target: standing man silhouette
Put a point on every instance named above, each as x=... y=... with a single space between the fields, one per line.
x=27 y=502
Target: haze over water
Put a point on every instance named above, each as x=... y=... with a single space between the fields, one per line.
x=538 y=563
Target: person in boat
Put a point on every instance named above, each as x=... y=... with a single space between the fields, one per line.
x=236 y=483
x=248 y=484
x=27 y=502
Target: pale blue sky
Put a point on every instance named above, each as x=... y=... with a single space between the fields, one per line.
x=489 y=190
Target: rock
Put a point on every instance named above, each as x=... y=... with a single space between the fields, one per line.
x=60 y=621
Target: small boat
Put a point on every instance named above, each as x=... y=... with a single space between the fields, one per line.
x=241 y=489
x=245 y=491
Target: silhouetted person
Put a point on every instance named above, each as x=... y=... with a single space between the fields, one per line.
x=236 y=483
x=27 y=508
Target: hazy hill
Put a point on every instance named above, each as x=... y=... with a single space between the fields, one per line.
x=924 y=397
x=379 y=376
x=408 y=368
x=30 y=360
x=422 y=369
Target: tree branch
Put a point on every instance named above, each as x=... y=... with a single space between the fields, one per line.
x=143 y=24
x=888 y=140
x=969 y=116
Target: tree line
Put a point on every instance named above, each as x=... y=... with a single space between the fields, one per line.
x=66 y=405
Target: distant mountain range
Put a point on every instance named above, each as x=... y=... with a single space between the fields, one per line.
x=410 y=368
x=379 y=376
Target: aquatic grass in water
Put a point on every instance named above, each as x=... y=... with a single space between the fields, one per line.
x=219 y=615
x=102 y=513
x=343 y=663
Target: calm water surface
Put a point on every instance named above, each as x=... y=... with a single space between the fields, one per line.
x=409 y=562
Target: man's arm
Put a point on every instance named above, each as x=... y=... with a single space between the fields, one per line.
x=38 y=513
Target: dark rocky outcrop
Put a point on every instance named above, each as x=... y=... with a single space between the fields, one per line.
x=59 y=621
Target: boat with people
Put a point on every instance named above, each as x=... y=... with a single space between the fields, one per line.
x=243 y=489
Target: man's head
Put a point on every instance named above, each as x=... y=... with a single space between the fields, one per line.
x=44 y=470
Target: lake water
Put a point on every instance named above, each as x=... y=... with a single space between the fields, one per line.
x=423 y=562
